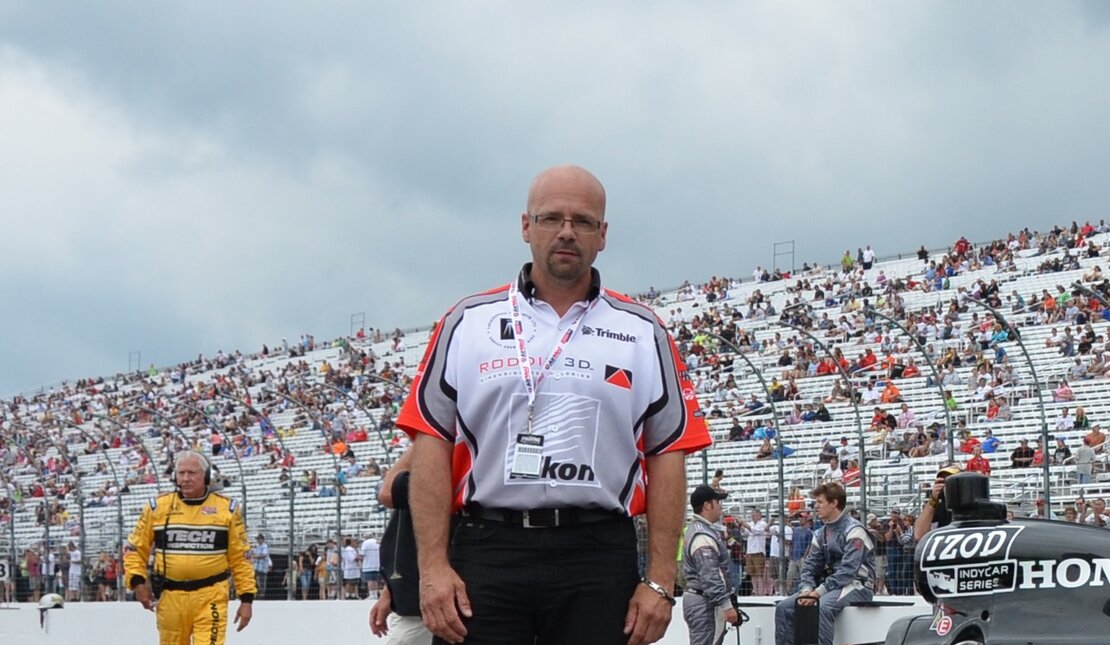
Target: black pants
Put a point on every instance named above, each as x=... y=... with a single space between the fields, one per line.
x=553 y=586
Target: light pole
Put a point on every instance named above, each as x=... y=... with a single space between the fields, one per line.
x=8 y=487
x=64 y=452
x=142 y=446
x=227 y=440
x=119 y=500
x=350 y=396
x=1038 y=386
x=290 y=594
x=778 y=439
x=338 y=496
x=936 y=379
x=855 y=408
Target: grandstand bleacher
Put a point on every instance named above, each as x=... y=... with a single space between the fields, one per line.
x=99 y=449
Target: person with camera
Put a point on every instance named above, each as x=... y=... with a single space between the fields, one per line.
x=201 y=541
x=839 y=570
x=707 y=607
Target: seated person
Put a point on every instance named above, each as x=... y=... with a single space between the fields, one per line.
x=990 y=442
x=765 y=450
x=838 y=570
x=832 y=471
x=851 y=474
x=891 y=393
x=968 y=443
x=923 y=447
x=1063 y=393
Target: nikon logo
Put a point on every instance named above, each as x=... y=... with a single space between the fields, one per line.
x=565 y=471
x=606 y=333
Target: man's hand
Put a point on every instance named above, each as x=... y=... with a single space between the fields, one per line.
x=145 y=596
x=379 y=613
x=243 y=616
x=731 y=617
x=808 y=599
x=443 y=603
x=647 y=618
x=938 y=488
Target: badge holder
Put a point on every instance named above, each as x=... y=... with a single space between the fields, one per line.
x=528 y=456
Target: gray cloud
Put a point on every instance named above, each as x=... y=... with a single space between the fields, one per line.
x=185 y=178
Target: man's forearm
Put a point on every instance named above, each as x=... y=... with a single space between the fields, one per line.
x=431 y=499
x=666 y=495
x=924 y=522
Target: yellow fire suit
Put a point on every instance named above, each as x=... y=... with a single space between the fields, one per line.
x=197 y=544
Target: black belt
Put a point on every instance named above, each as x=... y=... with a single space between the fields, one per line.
x=193 y=585
x=542 y=518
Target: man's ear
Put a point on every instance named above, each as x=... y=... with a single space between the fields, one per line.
x=525 y=225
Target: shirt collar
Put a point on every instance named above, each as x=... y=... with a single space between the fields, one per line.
x=526 y=286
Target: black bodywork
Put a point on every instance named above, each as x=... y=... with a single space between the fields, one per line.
x=1028 y=581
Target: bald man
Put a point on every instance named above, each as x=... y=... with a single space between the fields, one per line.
x=539 y=414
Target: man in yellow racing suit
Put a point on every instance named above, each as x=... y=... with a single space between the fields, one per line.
x=200 y=541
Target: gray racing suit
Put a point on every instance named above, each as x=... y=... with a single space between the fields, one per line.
x=706 y=564
x=842 y=559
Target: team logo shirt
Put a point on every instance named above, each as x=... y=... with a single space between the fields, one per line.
x=615 y=393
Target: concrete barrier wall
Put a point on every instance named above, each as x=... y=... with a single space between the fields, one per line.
x=313 y=622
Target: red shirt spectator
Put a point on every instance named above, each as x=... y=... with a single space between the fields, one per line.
x=979 y=463
x=968 y=444
x=868 y=361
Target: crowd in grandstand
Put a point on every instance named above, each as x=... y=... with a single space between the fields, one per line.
x=222 y=405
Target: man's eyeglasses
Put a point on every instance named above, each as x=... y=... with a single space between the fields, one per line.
x=580 y=224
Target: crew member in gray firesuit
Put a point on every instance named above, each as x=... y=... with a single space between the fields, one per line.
x=839 y=570
x=706 y=561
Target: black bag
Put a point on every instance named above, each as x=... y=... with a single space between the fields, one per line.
x=807 y=623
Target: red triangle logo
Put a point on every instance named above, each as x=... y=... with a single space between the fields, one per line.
x=619 y=377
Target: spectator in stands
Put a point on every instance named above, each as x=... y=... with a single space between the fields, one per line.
x=1063 y=393
x=832 y=472
x=1022 y=456
x=1061 y=454
x=968 y=443
x=828 y=452
x=1041 y=512
x=765 y=450
x=260 y=560
x=1095 y=515
x=1081 y=421
x=1096 y=438
x=891 y=393
x=990 y=442
x=756 y=563
x=718 y=479
x=1084 y=458
x=1070 y=515
x=978 y=463
x=852 y=473
x=1064 y=422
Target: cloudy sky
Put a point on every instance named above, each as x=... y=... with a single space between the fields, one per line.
x=179 y=178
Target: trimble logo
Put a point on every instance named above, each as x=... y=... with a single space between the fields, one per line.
x=605 y=333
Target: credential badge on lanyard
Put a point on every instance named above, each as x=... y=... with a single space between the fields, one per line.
x=528 y=456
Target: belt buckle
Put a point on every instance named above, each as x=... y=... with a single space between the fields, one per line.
x=527 y=520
